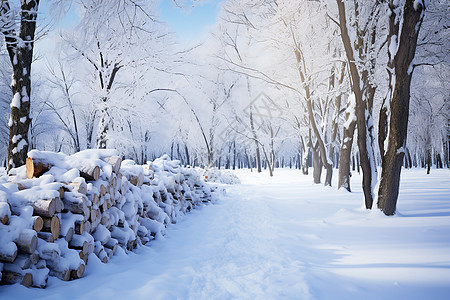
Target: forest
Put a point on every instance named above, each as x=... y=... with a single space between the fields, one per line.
x=340 y=86
x=114 y=128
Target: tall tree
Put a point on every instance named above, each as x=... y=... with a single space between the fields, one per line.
x=360 y=53
x=402 y=49
x=19 y=43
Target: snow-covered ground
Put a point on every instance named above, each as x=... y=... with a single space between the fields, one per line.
x=285 y=238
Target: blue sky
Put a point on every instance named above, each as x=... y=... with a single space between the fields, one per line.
x=190 y=23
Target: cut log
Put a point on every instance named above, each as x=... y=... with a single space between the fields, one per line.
x=95 y=214
x=79 y=242
x=111 y=244
x=101 y=186
x=101 y=234
x=14 y=274
x=40 y=277
x=76 y=203
x=94 y=198
x=44 y=208
x=69 y=234
x=8 y=252
x=36 y=167
x=25 y=261
x=79 y=186
x=38 y=223
x=48 y=251
x=59 y=268
x=83 y=257
x=137 y=180
x=79 y=226
x=115 y=162
x=46 y=236
x=59 y=205
x=52 y=225
x=87 y=226
x=27 y=241
x=90 y=173
x=77 y=273
x=99 y=251
x=5 y=213
x=110 y=252
x=61 y=192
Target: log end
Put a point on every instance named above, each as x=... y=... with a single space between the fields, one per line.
x=30 y=168
x=38 y=223
x=78 y=273
x=27 y=280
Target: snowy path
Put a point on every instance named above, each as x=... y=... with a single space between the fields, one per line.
x=284 y=238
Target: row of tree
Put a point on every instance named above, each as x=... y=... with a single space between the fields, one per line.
x=327 y=84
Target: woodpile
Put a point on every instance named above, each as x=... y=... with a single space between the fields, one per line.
x=59 y=211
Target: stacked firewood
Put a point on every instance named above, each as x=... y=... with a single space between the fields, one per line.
x=58 y=210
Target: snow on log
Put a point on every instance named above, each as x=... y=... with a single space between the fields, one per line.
x=40 y=277
x=27 y=241
x=44 y=208
x=78 y=185
x=59 y=267
x=46 y=236
x=115 y=162
x=78 y=272
x=76 y=203
x=12 y=273
x=25 y=261
x=5 y=213
x=78 y=242
x=101 y=234
x=8 y=252
x=48 y=251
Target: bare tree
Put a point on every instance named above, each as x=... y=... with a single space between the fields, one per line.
x=402 y=48
x=19 y=44
x=362 y=50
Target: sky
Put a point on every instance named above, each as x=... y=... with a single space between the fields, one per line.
x=190 y=23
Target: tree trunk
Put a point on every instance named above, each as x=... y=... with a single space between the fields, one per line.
x=399 y=106
x=317 y=165
x=258 y=153
x=363 y=108
x=20 y=50
x=320 y=142
x=346 y=151
x=103 y=127
x=188 y=159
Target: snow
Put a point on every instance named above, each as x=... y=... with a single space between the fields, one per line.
x=393 y=47
x=4 y=209
x=284 y=238
x=16 y=101
x=350 y=110
x=423 y=3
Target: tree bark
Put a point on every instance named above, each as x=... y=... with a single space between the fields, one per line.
x=258 y=152
x=317 y=165
x=363 y=108
x=345 y=154
x=399 y=106
x=20 y=50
